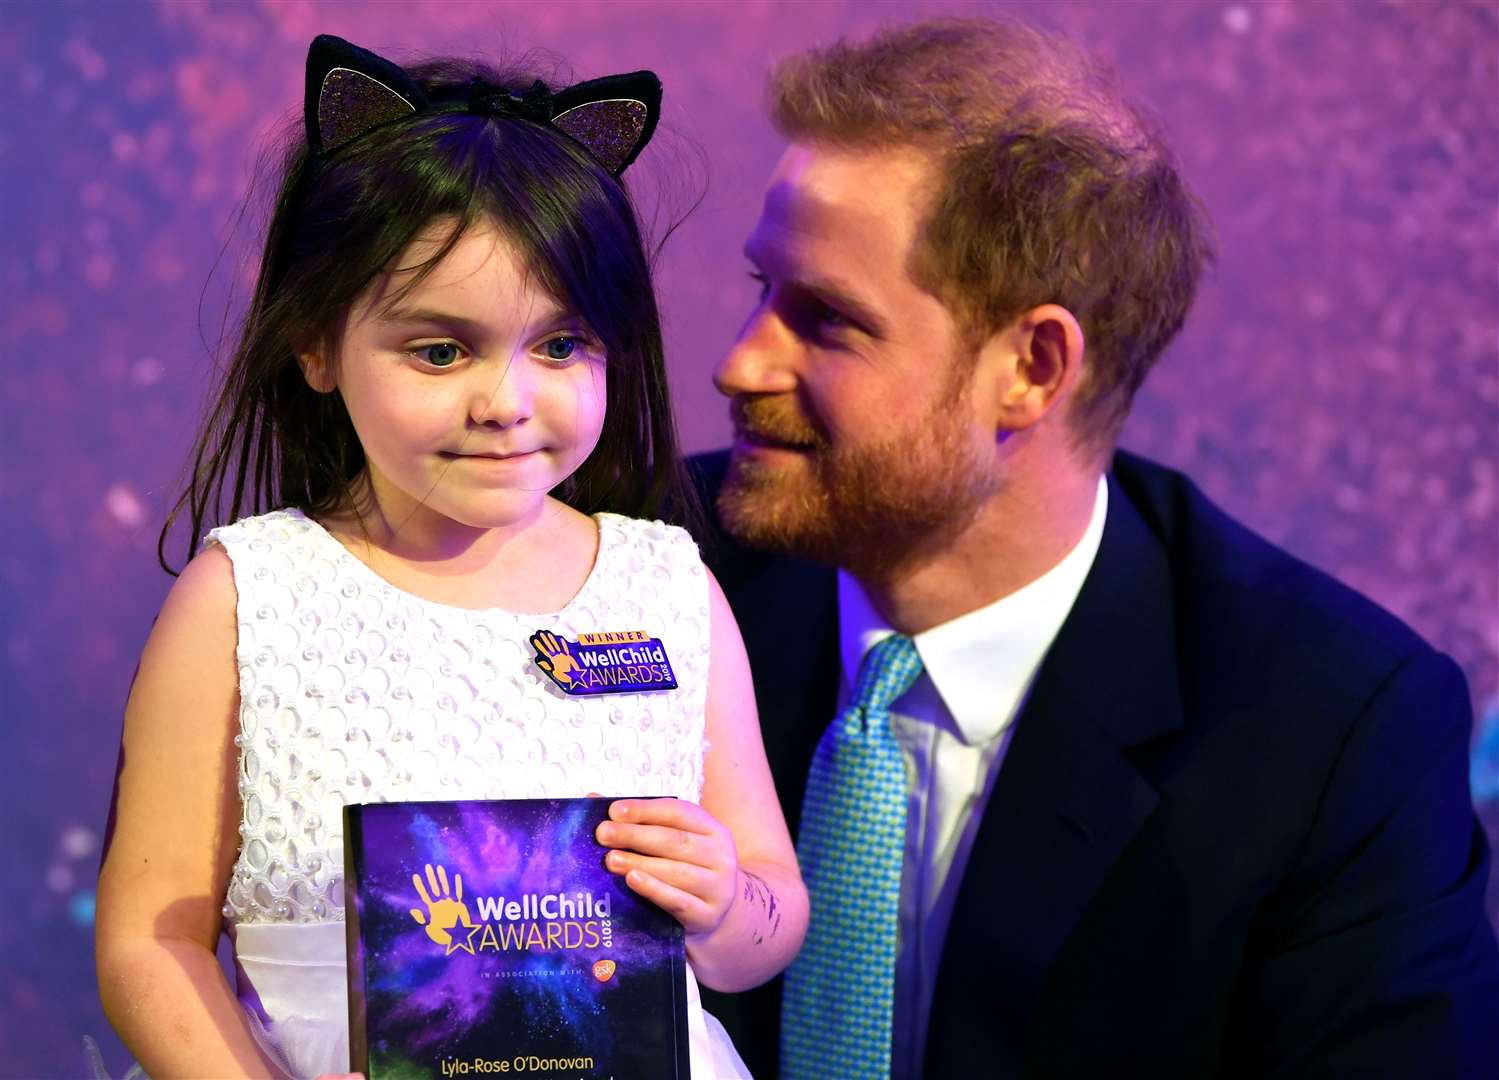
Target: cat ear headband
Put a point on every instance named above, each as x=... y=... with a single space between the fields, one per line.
x=351 y=90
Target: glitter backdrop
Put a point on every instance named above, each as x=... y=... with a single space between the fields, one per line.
x=1337 y=387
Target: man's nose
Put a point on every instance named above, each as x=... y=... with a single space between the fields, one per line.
x=762 y=361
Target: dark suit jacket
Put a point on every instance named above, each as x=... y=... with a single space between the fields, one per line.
x=1232 y=835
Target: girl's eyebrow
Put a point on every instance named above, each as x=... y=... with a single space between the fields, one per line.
x=394 y=314
x=466 y=326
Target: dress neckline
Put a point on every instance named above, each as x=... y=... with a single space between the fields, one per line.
x=602 y=522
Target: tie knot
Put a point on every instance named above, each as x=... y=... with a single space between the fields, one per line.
x=886 y=672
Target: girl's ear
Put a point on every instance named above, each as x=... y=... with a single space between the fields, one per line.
x=317 y=371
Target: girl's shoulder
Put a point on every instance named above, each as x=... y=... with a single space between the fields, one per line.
x=274 y=527
x=206 y=584
x=650 y=539
x=196 y=624
x=277 y=549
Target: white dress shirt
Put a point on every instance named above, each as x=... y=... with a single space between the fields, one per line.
x=953 y=726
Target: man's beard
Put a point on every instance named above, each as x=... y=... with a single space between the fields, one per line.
x=870 y=509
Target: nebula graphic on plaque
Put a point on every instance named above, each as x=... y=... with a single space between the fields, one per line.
x=485 y=934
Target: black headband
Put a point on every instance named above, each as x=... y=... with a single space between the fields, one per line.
x=351 y=90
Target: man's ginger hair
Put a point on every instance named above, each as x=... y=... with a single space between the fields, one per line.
x=1051 y=187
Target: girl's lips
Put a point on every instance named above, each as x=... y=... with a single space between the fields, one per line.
x=454 y=456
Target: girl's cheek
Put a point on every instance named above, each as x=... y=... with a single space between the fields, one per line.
x=580 y=407
x=595 y=392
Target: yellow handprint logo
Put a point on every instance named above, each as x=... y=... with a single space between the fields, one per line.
x=554 y=656
x=444 y=910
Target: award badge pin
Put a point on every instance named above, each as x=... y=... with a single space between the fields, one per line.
x=616 y=662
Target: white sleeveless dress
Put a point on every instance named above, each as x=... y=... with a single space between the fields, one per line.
x=352 y=690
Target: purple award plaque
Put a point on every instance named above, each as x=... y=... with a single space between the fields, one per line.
x=487 y=938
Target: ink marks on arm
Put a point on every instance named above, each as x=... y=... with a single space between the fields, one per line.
x=760 y=894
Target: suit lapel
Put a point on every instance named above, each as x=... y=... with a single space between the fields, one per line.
x=788 y=611
x=796 y=672
x=789 y=614
x=1067 y=800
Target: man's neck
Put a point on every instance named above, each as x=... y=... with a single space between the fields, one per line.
x=1020 y=534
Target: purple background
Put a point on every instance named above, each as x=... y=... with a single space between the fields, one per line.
x=1337 y=387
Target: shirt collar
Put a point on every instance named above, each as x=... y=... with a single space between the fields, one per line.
x=983 y=661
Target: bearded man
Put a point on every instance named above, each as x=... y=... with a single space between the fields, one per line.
x=1112 y=787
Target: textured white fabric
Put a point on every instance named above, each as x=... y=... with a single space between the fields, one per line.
x=352 y=690
x=953 y=727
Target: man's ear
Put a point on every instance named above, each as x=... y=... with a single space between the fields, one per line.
x=317 y=371
x=1038 y=361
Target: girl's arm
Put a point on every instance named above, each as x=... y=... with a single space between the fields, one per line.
x=174 y=842
x=727 y=869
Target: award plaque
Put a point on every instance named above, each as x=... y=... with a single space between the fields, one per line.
x=487 y=938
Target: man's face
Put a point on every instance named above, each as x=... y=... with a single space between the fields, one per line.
x=859 y=439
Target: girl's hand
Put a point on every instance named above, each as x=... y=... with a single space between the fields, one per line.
x=675 y=854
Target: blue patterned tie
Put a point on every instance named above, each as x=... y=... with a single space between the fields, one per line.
x=836 y=1008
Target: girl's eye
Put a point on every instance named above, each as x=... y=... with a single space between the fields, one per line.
x=440 y=354
x=560 y=348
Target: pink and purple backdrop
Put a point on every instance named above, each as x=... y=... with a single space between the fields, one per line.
x=1337 y=387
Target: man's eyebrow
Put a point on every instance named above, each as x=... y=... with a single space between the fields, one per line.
x=836 y=296
x=832 y=293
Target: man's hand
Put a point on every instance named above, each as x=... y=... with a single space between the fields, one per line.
x=675 y=854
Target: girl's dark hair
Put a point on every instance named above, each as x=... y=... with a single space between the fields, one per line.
x=340 y=220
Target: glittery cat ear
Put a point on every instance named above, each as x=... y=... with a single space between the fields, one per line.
x=613 y=117
x=351 y=90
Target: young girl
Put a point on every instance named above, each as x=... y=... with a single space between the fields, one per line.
x=450 y=378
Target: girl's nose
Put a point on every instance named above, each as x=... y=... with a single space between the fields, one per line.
x=503 y=399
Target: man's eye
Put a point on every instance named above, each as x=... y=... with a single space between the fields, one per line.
x=441 y=354
x=827 y=316
x=560 y=348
